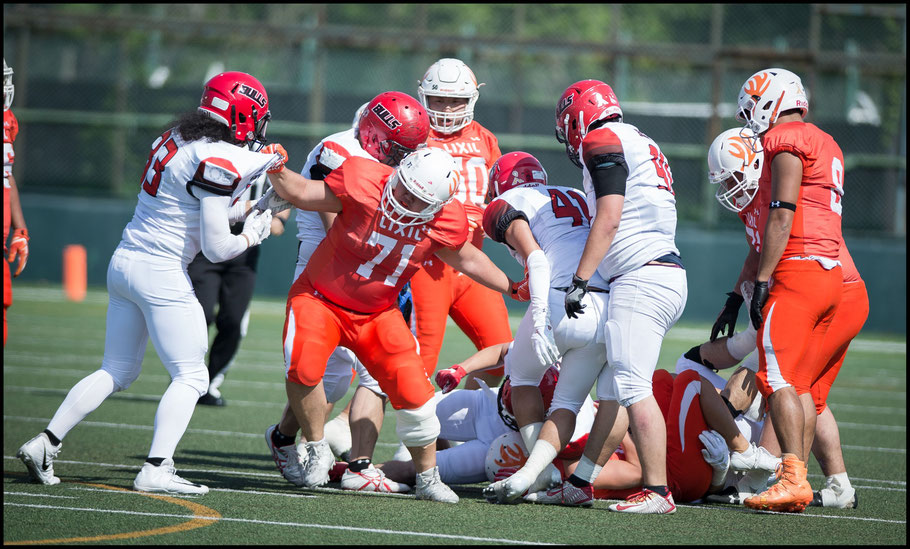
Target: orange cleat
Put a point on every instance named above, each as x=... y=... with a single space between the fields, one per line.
x=790 y=494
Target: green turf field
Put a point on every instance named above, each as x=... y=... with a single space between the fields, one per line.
x=53 y=343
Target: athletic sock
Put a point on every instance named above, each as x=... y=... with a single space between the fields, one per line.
x=586 y=470
x=359 y=465
x=56 y=441
x=155 y=461
x=281 y=440
x=578 y=482
x=662 y=490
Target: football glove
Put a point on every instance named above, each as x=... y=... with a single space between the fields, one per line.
x=449 y=378
x=716 y=454
x=544 y=345
x=278 y=164
x=759 y=298
x=257 y=227
x=726 y=320
x=521 y=290
x=574 y=295
x=18 y=247
x=272 y=202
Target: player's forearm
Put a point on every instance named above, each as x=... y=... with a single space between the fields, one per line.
x=774 y=242
x=486 y=358
x=17 y=218
x=476 y=265
x=749 y=270
x=603 y=230
x=303 y=193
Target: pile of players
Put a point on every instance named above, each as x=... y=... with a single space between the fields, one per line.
x=392 y=214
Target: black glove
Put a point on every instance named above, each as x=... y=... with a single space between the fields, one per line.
x=759 y=298
x=727 y=317
x=574 y=295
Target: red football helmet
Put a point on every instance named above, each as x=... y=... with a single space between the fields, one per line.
x=515 y=169
x=547 y=385
x=238 y=100
x=391 y=126
x=581 y=104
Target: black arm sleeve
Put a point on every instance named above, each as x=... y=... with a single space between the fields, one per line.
x=608 y=174
x=497 y=217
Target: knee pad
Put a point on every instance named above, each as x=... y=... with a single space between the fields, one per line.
x=742 y=343
x=124 y=375
x=419 y=427
x=197 y=378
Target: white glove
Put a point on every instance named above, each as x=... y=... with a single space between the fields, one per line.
x=543 y=341
x=272 y=202
x=257 y=227
x=716 y=454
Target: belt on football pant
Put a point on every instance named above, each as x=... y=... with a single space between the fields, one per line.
x=667 y=260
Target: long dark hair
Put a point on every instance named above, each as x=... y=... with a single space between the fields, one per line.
x=194 y=126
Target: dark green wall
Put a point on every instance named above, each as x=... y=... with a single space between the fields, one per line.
x=712 y=259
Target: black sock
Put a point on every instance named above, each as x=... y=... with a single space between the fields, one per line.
x=359 y=465
x=155 y=461
x=280 y=440
x=662 y=490
x=50 y=436
x=578 y=482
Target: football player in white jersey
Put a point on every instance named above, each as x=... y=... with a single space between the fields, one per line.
x=545 y=229
x=194 y=172
x=386 y=145
x=629 y=188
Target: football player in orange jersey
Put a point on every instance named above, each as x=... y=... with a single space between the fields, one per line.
x=799 y=280
x=390 y=220
x=449 y=91
x=12 y=210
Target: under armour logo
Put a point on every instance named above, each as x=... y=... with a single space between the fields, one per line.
x=775 y=203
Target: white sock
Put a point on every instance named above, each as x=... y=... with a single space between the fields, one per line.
x=172 y=418
x=542 y=455
x=840 y=478
x=529 y=433
x=587 y=469
x=82 y=400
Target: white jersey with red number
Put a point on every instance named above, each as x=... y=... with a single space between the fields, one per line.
x=330 y=153
x=476 y=149
x=647 y=228
x=559 y=221
x=166 y=222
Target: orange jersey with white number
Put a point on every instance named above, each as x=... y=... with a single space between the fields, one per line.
x=365 y=259
x=816 y=229
x=476 y=149
x=10 y=130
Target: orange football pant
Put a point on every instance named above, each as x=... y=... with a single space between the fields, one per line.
x=803 y=300
x=851 y=315
x=439 y=291
x=314 y=327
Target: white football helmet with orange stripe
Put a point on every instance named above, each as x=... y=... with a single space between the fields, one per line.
x=768 y=93
x=735 y=167
x=431 y=178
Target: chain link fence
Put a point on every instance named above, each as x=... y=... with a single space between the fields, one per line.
x=95 y=83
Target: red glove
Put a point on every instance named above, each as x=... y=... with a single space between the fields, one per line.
x=18 y=246
x=521 y=290
x=276 y=148
x=449 y=378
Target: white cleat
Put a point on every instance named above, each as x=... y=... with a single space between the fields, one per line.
x=431 y=487
x=38 y=456
x=565 y=494
x=646 y=502
x=835 y=496
x=550 y=477
x=319 y=462
x=165 y=480
x=371 y=479
x=286 y=459
x=755 y=457
x=507 y=490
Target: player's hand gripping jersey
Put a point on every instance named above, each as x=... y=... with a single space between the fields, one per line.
x=647 y=229
x=365 y=260
x=167 y=220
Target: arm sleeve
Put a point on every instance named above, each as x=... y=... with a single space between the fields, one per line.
x=539 y=284
x=497 y=217
x=218 y=244
x=608 y=173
